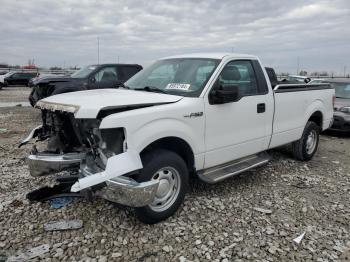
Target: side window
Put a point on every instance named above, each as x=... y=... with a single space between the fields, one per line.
x=241 y=74
x=106 y=74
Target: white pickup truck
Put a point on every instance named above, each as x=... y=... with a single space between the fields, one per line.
x=206 y=115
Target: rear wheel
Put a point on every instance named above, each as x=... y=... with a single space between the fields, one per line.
x=305 y=148
x=171 y=171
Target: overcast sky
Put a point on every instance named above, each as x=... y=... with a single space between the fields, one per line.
x=278 y=31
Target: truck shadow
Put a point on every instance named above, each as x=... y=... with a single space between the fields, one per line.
x=339 y=134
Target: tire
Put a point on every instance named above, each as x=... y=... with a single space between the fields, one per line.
x=305 y=148
x=172 y=172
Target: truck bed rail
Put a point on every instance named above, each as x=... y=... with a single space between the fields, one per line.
x=300 y=87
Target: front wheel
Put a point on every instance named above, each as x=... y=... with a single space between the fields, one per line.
x=305 y=148
x=171 y=171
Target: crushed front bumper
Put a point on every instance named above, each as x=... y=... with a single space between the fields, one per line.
x=110 y=183
x=42 y=164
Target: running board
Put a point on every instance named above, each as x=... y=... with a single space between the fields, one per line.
x=218 y=173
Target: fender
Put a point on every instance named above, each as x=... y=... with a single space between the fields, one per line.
x=317 y=105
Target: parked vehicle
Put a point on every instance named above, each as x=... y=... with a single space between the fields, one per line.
x=42 y=76
x=2 y=78
x=317 y=81
x=19 y=78
x=298 y=79
x=90 y=77
x=206 y=115
x=342 y=105
x=3 y=72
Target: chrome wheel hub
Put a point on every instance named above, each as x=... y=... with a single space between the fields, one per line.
x=311 y=142
x=168 y=189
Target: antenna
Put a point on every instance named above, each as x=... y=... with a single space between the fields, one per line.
x=98 y=50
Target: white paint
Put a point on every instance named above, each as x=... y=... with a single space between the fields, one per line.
x=89 y=103
x=116 y=166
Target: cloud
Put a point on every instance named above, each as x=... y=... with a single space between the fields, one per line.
x=58 y=32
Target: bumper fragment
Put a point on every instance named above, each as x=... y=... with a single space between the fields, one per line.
x=43 y=164
x=34 y=133
x=128 y=192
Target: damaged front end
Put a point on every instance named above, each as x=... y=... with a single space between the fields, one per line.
x=101 y=156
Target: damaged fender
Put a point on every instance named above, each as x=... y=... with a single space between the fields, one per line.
x=116 y=166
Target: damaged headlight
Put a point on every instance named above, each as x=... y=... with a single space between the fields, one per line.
x=109 y=142
x=57 y=107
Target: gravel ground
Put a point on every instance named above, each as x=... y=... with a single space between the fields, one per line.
x=216 y=223
x=14 y=94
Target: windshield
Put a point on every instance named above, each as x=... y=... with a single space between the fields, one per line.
x=178 y=76
x=84 y=72
x=342 y=90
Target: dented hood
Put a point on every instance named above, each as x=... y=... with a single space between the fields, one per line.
x=87 y=104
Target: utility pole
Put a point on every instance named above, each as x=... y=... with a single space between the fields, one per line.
x=298 y=65
x=118 y=59
x=98 y=50
x=344 y=71
x=232 y=48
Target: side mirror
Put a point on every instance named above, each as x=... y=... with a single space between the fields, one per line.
x=93 y=79
x=227 y=94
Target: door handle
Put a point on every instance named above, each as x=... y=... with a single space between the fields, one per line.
x=261 y=108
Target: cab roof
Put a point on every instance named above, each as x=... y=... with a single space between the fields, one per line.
x=213 y=56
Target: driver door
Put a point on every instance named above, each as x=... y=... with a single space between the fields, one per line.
x=236 y=129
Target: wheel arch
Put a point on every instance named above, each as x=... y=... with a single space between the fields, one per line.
x=175 y=144
x=317 y=118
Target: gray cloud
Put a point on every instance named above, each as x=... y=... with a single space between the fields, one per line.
x=54 y=32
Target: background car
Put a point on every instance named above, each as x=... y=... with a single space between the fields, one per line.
x=89 y=77
x=298 y=79
x=41 y=76
x=342 y=105
x=2 y=78
x=19 y=78
x=317 y=81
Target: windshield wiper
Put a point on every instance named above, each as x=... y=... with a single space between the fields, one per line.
x=120 y=84
x=151 y=89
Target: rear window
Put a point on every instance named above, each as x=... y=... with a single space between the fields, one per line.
x=128 y=71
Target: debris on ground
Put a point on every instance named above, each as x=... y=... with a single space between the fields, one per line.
x=63 y=225
x=299 y=238
x=30 y=254
x=60 y=202
x=303 y=185
x=46 y=193
x=262 y=210
x=3 y=258
x=3 y=130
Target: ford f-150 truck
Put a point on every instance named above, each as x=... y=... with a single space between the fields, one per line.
x=206 y=115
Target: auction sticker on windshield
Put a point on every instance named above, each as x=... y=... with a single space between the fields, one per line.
x=178 y=86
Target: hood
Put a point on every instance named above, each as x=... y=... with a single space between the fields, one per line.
x=50 y=79
x=87 y=104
